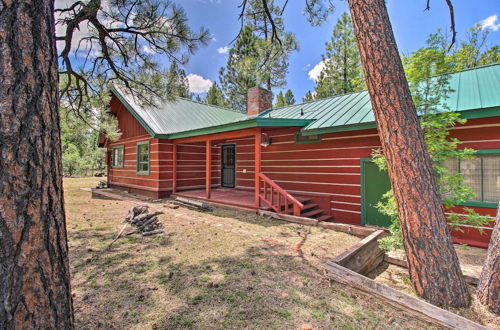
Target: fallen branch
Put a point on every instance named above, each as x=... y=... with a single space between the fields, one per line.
x=119 y=235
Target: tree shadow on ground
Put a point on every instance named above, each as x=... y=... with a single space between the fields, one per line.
x=262 y=288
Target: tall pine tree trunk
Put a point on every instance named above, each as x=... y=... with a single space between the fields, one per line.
x=488 y=290
x=433 y=263
x=34 y=270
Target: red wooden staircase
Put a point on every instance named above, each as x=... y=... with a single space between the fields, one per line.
x=276 y=198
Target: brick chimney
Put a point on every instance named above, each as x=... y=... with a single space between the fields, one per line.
x=258 y=100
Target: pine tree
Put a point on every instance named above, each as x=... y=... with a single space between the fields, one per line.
x=289 y=97
x=342 y=73
x=256 y=59
x=285 y=99
x=273 y=56
x=239 y=74
x=433 y=263
x=215 y=96
x=178 y=83
x=280 y=100
x=308 y=97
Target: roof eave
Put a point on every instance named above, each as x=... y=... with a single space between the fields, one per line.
x=254 y=122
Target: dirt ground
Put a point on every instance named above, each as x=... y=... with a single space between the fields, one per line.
x=471 y=261
x=221 y=269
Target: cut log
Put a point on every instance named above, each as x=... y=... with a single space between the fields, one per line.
x=414 y=306
x=148 y=222
x=140 y=219
x=153 y=232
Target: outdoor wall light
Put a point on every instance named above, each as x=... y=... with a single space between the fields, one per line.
x=265 y=140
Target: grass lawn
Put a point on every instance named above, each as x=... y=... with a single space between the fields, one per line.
x=220 y=269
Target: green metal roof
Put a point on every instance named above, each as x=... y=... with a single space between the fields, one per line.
x=475 y=93
x=176 y=116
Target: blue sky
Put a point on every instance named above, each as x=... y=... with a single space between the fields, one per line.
x=411 y=25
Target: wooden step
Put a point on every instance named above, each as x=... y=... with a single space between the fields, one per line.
x=311 y=213
x=303 y=199
x=324 y=218
x=306 y=207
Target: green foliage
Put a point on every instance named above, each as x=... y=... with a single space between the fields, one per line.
x=239 y=74
x=425 y=70
x=216 y=97
x=342 y=73
x=285 y=99
x=289 y=97
x=308 y=97
x=125 y=43
x=178 y=85
x=257 y=58
x=80 y=154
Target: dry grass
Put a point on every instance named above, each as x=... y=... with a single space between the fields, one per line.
x=221 y=269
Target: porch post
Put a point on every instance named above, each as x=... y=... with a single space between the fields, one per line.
x=208 y=168
x=257 y=168
x=174 y=168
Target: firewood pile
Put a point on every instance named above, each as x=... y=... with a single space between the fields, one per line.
x=145 y=223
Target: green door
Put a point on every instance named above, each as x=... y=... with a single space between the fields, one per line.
x=375 y=183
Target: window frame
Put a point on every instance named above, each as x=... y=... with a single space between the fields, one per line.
x=494 y=205
x=138 y=171
x=298 y=134
x=113 y=157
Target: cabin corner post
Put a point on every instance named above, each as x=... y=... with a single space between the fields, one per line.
x=258 y=158
x=174 y=168
x=208 y=168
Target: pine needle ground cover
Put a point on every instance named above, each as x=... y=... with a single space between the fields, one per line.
x=209 y=270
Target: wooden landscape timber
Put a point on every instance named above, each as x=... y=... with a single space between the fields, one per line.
x=398 y=261
x=359 y=231
x=364 y=256
x=192 y=203
x=398 y=299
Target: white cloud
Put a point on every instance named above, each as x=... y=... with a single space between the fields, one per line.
x=490 y=22
x=223 y=50
x=315 y=72
x=198 y=84
x=147 y=49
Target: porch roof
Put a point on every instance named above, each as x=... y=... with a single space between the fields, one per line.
x=473 y=92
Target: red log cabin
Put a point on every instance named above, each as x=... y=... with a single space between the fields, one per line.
x=311 y=159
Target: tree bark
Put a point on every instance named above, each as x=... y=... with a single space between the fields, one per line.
x=34 y=271
x=433 y=264
x=488 y=290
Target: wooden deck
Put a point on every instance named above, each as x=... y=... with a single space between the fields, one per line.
x=227 y=196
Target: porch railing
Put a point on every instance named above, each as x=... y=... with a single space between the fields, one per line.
x=276 y=197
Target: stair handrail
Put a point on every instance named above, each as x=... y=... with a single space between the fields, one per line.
x=297 y=205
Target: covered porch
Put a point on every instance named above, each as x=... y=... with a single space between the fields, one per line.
x=259 y=191
x=225 y=196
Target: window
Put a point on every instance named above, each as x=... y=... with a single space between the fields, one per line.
x=299 y=138
x=117 y=157
x=482 y=174
x=143 y=158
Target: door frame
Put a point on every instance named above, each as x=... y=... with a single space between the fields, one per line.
x=363 y=162
x=221 y=164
